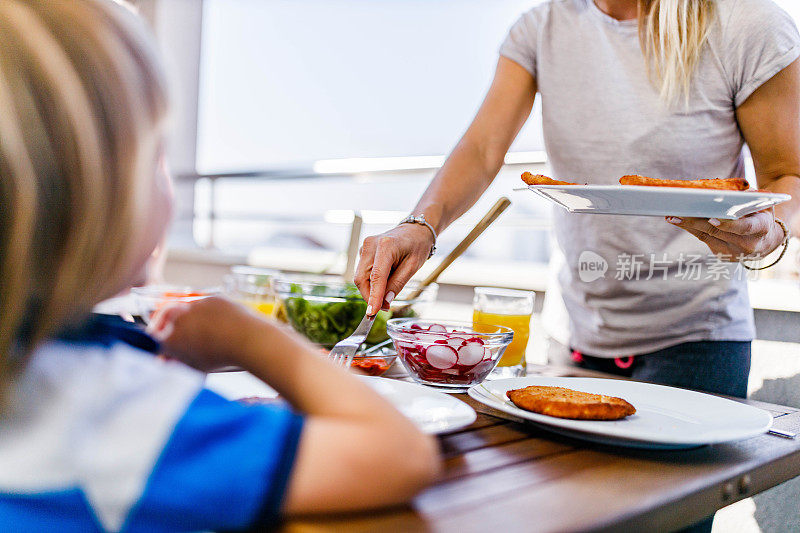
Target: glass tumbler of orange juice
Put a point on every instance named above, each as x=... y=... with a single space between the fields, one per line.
x=252 y=287
x=511 y=308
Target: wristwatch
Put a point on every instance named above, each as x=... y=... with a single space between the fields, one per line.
x=420 y=219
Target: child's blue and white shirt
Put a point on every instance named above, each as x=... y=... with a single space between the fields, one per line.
x=102 y=436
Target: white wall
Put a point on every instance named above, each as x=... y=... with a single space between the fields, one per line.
x=286 y=83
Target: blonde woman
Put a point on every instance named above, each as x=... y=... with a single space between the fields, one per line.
x=663 y=88
x=96 y=434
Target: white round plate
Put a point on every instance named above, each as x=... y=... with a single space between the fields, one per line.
x=433 y=412
x=658 y=201
x=238 y=385
x=666 y=417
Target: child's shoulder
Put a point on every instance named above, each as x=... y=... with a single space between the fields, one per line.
x=85 y=409
x=90 y=385
x=96 y=373
x=111 y=428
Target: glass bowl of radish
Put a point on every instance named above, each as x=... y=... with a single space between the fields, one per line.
x=447 y=354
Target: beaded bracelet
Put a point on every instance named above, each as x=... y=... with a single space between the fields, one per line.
x=785 y=244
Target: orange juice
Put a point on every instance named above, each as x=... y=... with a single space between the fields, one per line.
x=521 y=324
x=266 y=307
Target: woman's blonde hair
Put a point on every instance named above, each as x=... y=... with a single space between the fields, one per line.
x=673 y=34
x=83 y=102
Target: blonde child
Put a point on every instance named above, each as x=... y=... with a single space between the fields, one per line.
x=94 y=433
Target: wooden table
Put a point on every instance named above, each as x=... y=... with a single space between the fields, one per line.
x=502 y=476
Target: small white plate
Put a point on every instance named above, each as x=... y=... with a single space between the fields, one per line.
x=658 y=201
x=666 y=417
x=238 y=385
x=432 y=411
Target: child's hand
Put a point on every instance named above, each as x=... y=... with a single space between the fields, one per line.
x=206 y=334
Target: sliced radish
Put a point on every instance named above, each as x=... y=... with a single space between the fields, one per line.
x=456 y=342
x=441 y=356
x=403 y=345
x=427 y=338
x=415 y=326
x=470 y=354
x=440 y=341
x=481 y=369
x=476 y=339
x=406 y=337
x=437 y=328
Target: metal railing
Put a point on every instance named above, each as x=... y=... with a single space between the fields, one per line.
x=371 y=169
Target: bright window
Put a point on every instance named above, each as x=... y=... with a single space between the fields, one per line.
x=285 y=83
x=296 y=84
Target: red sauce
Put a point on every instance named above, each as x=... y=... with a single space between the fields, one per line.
x=371 y=366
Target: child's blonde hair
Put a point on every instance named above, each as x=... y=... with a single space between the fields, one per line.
x=83 y=101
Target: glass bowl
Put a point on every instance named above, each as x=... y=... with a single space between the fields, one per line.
x=326 y=309
x=151 y=298
x=448 y=354
x=252 y=286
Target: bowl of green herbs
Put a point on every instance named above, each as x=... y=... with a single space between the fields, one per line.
x=326 y=309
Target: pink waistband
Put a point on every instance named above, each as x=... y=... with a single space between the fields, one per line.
x=623 y=363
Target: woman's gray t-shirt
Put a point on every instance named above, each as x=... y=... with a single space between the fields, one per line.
x=602 y=119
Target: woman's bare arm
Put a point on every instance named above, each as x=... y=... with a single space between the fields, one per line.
x=480 y=153
x=770 y=123
x=389 y=260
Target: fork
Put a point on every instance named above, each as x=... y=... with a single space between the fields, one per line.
x=344 y=351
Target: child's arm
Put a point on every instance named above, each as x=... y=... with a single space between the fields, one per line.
x=356 y=450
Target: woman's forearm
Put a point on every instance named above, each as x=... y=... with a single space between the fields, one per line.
x=388 y=261
x=460 y=182
x=480 y=154
x=787 y=211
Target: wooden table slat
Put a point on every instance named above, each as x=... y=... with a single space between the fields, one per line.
x=775 y=410
x=484 y=420
x=485 y=459
x=465 y=493
x=459 y=443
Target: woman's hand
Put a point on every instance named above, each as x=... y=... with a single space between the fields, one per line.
x=388 y=261
x=206 y=334
x=752 y=236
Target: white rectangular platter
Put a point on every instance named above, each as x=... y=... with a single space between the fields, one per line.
x=658 y=201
